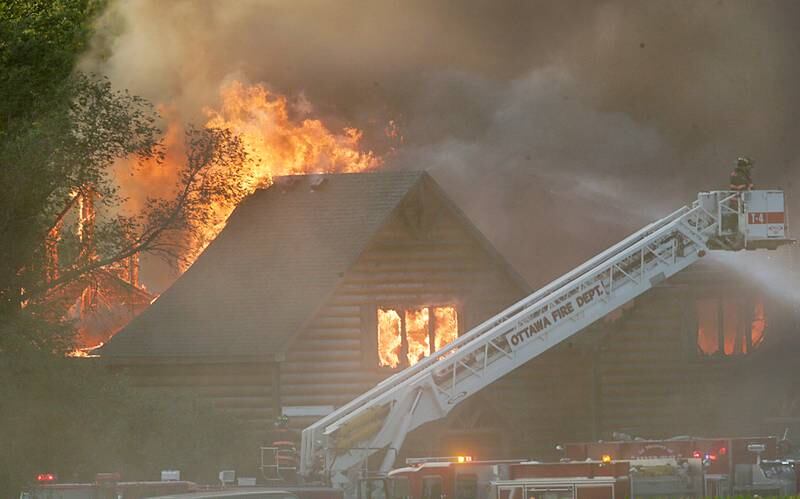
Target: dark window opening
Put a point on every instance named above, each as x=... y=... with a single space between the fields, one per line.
x=729 y=327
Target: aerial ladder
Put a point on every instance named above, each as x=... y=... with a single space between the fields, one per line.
x=376 y=423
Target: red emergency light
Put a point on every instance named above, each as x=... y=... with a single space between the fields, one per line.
x=697 y=454
x=45 y=478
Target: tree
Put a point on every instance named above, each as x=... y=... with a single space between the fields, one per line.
x=41 y=41
x=71 y=151
x=61 y=133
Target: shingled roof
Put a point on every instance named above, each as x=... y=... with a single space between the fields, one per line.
x=282 y=253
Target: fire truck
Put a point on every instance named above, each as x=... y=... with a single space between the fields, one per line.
x=108 y=486
x=730 y=466
x=377 y=423
x=682 y=467
x=585 y=480
x=462 y=478
x=435 y=478
x=105 y=486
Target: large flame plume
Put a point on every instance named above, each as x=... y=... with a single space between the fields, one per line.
x=280 y=140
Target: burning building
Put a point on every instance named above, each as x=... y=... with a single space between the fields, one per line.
x=320 y=286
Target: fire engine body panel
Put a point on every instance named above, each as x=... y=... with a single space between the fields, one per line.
x=584 y=480
x=727 y=465
x=462 y=480
x=378 y=421
x=508 y=479
x=766 y=216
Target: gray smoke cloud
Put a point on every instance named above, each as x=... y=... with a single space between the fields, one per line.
x=557 y=126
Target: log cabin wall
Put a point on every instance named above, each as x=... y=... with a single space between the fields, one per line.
x=423 y=256
x=654 y=381
x=414 y=249
x=643 y=368
x=522 y=415
x=242 y=390
x=638 y=372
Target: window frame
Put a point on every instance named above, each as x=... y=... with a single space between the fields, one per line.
x=401 y=309
x=394 y=487
x=428 y=479
x=744 y=300
x=461 y=480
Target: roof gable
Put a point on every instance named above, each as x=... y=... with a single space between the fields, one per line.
x=281 y=252
x=281 y=255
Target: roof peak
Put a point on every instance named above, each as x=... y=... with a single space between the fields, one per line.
x=344 y=174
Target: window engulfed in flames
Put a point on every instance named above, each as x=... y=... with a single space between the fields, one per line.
x=405 y=336
x=389 y=342
x=728 y=327
x=445 y=325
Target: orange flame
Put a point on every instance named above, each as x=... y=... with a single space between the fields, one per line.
x=389 y=340
x=726 y=320
x=405 y=336
x=445 y=326
x=85 y=352
x=417 y=335
x=280 y=145
x=277 y=143
x=759 y=324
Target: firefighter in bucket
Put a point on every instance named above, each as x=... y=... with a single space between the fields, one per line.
x=279 y=460
x=741 y=180
x=742 y=175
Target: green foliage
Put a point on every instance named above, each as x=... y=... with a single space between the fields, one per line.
x=61 y=132
x=46 y=162
x=40 y=41
x=72 y=417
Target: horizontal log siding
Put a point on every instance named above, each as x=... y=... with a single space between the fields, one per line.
x=243 y=391
x=653 y=383
x=334 y=359
x=548 y=400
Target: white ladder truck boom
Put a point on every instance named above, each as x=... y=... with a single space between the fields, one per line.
x=379 y=420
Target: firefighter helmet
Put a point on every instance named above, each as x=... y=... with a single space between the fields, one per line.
x=744 y=162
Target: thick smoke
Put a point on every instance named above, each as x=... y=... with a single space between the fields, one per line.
x=557 y=126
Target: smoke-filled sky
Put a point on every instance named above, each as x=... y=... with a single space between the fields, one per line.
x=558 y=126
